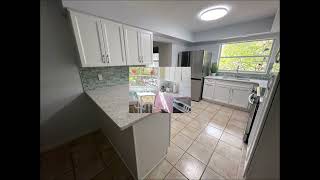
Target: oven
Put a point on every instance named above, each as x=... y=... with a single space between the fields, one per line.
x=254 y=100
x=181 y=104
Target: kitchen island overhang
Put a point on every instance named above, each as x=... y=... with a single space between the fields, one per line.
x=140 y=139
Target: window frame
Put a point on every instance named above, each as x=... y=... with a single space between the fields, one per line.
x=247 y=72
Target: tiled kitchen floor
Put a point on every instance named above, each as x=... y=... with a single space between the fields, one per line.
x=90 y=157
x=205 y=144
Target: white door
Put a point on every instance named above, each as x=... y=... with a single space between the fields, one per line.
x=146 y=47
x=208 y=91
x=177 y=74
x=114 y=43
x=186 y=73
x=239 y=97
x=131 y=37
x=88 y=35
x=221 y=93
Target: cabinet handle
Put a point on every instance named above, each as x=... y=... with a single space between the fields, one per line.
x=107 y=56
x=142 y=59
x=103 y=58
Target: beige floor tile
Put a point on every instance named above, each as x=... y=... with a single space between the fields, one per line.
x=218 y=124
x=185 y=119
x=160 y=171
x=239 y=124
x=211 y=109
x=175 y=115
x=177 y=125
x=234 y=130
x=211 y=175
x=228 y=151
x=197 y=125
x=223 y=166
x=201 y=152
x=214 y=106
x=182 y=141
x=196 y=110
x=209 y=141
x=190 y=167
x=226 y=109
x=232 y=140
x=174 y=154
x=211 y=131
x=240 y=114
x=173 y=132
x=221 y=116
x=174 y=174
x=191 y=114
x=191 y=132
x=226 y=113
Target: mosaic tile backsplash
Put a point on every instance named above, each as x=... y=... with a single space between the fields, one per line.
x=111 y=76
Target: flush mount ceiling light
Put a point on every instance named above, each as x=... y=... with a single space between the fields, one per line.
x=213 y=13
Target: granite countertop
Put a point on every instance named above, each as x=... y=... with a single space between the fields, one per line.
x=114 y=101
x=261 y=83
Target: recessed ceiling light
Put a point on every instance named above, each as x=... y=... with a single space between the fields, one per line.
x=213 y=13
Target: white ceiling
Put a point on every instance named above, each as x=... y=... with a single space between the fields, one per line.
x=178 y=17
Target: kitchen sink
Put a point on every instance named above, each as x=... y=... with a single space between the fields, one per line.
x=236 y=78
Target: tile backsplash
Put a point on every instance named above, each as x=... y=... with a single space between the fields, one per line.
x=111 y=76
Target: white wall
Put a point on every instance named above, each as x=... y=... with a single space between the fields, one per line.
x=235 y=30
x=65 y=111
x=176 y=48
x=164 y=53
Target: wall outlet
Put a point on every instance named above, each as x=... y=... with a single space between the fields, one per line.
x=100 y=77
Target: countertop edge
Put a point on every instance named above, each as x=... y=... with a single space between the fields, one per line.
x=252 y=81
x=120 y=127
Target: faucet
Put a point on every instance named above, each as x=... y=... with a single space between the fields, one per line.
x=237 y=75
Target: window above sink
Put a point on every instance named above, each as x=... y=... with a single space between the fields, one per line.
x=245 y=57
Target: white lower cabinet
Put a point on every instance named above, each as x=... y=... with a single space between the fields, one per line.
x=221 y=93
x=239 y=97
x=227 y=92
x=208 y=91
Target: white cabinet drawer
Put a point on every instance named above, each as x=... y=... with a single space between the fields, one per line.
x=208 y=80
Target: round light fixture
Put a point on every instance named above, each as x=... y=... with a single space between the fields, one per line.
x=213 y=13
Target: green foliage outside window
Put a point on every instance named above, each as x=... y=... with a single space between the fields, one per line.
x=252 y=56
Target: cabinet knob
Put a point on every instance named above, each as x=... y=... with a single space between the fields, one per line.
x=103 y=59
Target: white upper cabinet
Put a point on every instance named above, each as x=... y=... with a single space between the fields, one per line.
x=131 y=38
x=102 y=42
x=146 y=47
x=139 y=46
x=88 y=35
x=114 y=44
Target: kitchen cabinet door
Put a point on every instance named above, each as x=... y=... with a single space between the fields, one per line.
x=177 y=74
x=146 y=47
x=208 y=91
x=221 y=93
x=239 y=97
x=88 y=34
x=167 y=73
x=186 y=73
x=172 y=73
x=114 y=43
x=131 y=39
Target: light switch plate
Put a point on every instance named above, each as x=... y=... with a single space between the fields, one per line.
x=100 y=77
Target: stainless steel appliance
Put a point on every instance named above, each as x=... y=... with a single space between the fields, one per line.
x=254 y=99
x=199 y=61
x=181 y=105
